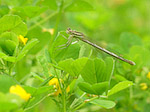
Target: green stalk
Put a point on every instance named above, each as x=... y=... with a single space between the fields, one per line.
x=82 y=104
x=60 y=10
x=42 y=21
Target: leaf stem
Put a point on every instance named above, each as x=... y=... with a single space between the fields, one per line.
x=44 y=20
x=84 y=102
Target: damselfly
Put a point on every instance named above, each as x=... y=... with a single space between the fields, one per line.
x=81 y=36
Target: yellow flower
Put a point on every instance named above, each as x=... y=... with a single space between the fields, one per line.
x=18 y=90
x=22 y=39
x=148 y=75
x=51 y=31
x=143 y=86
x=55 y=82
x=68 y=89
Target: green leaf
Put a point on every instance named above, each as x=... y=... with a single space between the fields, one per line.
x=44 y=64
x=96 y=89
x=26 y=48
x=7 y=58
x=78 y=65
x=59 y=53
x=13 y=23
x=6 y=82
x=88 y=72
x=82 y=51
x=120 y=86
x=8 y=42
x=4 y=9
x=100 y=68
x=100 y=87
x=66 y=66
x=86 y=87
x=110 y=64
x=127 y=40
x=9 y=102
x=140 y=56
x=97 y=70
x=104 y=103
x=78 y=6
x=43 y=37
x=120 y=78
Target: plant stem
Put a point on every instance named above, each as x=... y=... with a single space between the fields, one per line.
x=42 y=21
x=60 y=10
x=84 y=103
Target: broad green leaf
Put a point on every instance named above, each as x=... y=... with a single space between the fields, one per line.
x=82 y=50
x=4 y=9
x=86 y=87
x=9 y=102
x=110 y=64
x=104 y=103
x=13 y=23
x=44 y=64
x=120 y=86
x=60 y=51
x=6 y=82
x=26 y=48
x=88 y=72
x=96 y=89
x=6 y=57
x=78 y=65
x=66 y=66
x=78 y=6
x=127 y=40
x=97 y=70
x=100 y=87
x=100 y=68
x=8 y=42
x=43 y=37
x=28 y=11
x=120 y=78
x=140 y=56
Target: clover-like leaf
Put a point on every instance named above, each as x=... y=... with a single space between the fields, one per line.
x=13 y=23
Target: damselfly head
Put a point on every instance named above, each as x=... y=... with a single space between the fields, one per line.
x=68 y=31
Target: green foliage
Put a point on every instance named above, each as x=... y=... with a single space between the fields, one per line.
x=67 y=77
x=104 y=103
x=13 y=23
x=6 y=82
x=9 y=102
x=119 y=87
x=26 y=48
x=8 y=42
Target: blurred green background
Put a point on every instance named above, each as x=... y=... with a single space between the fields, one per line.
x=122 y=26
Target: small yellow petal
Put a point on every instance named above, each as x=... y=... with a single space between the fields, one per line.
x=22 y=39
x=148 y=75
x=18 y=90
x=143 y=86
x=68 y=89
x=54 y=81
x=51 y=31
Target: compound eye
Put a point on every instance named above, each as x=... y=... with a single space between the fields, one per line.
x=69 y=29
